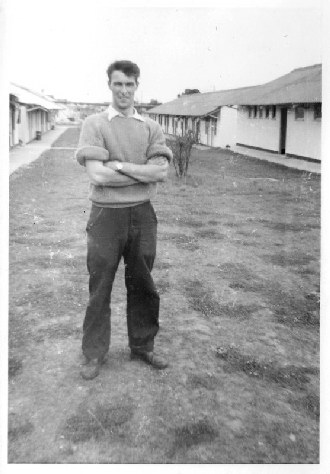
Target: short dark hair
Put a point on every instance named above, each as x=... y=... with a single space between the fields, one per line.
x=127 y=67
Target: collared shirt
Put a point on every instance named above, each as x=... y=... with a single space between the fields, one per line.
x=114 y=113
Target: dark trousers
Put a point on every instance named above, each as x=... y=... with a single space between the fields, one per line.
x=112 y=233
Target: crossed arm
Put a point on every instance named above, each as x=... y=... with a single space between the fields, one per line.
x=105 y=173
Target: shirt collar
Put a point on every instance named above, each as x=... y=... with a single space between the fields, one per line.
x=114 y=113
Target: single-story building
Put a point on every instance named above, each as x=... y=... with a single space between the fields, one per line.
x=282 y=116
x=30 y=114
x=211 y=116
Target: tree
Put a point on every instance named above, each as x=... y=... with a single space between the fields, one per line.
x=191 y=91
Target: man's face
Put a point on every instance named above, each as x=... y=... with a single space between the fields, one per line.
x=123 y=89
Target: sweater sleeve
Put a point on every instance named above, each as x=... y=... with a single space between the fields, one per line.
x=91 y=143
x=157 y=145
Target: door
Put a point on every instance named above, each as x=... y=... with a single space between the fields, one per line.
x=283 y=128
x=210 y=134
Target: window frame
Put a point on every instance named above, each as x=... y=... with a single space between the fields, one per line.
x=299 y=118
x=273 y=112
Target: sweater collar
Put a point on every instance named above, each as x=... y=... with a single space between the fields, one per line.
x=114 y=113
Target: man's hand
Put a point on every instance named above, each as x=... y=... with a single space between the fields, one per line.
x=155 y=170
x=104 y=174
x=112 y=164
x=158 y=160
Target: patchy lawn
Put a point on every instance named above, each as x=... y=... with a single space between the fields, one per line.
x=238 y=273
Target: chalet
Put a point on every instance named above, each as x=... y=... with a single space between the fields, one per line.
x=30 y=115
x=212 y=116
x=282 y=116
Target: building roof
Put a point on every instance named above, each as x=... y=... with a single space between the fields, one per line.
x=29 y=97
x=303 y=85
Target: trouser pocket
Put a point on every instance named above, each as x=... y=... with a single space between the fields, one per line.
x=95 y=216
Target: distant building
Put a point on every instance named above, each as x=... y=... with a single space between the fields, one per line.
x=30 y=114
x=143 y=107
x=77 y=111
x=282 y=116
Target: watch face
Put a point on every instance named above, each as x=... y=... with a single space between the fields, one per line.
x=119 y=166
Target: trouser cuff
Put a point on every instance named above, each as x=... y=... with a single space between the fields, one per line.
x=149 y=347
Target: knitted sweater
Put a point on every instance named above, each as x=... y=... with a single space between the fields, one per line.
x=123 y=139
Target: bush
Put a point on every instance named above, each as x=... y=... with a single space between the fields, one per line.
x=181 y=149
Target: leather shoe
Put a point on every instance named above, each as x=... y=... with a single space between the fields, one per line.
x=150 y=358
x=91 y=368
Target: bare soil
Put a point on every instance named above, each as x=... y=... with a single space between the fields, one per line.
x=238 y=272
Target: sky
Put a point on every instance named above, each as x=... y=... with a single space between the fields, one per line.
x=64 y=47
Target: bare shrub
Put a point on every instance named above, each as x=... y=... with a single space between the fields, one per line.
x=181 y=148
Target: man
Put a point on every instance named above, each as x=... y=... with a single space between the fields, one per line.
x=125 y=156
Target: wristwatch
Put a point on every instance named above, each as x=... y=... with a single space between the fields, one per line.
x=119 y=166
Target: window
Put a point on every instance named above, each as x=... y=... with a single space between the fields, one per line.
x=317 y=111
x=260 y=112
x=206 y=126
x=267 y=112
x=273 y=111
x=299 y=113
x=250 y=112
x=255 y=110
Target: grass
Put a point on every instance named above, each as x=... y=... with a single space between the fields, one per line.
x=237 y=268
x=288 y=376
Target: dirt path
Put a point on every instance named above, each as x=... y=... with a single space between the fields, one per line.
x=238 y=272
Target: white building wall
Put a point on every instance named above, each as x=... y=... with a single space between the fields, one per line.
x=227 y=127
x=258 y=132
x=304 y=136
x=203 y=134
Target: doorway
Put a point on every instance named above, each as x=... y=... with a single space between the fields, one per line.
x=283 y=128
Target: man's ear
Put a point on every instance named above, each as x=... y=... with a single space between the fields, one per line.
x=109 y=84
